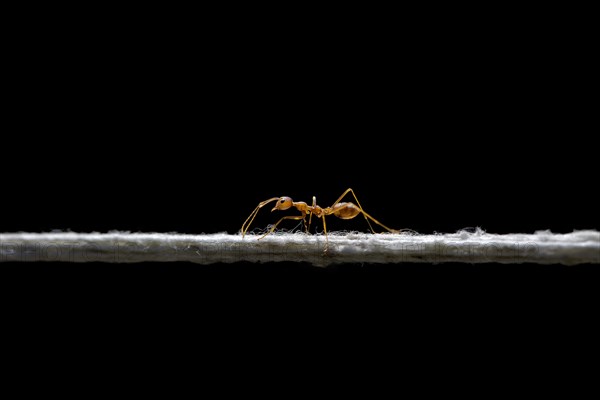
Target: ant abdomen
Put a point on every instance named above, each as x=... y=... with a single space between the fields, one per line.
x=345 y=210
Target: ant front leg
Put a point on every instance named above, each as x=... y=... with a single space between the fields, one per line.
x=250 y=218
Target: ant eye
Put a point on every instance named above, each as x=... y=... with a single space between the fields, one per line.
x=282 y=201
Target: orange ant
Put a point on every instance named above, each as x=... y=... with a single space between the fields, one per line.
x=340 y=210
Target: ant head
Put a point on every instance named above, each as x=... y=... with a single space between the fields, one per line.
x=283 y=203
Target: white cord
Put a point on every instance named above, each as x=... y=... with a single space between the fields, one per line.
x=542 y=247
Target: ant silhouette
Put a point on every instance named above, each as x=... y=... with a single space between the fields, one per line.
x=341 y=210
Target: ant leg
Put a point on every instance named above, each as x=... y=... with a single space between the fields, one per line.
x=296 y=217
x=377 y=222
x=304 y=221
x=364 y=213
x=314 y=203
x=325 y=231
x=305 y=225
x=349 y=190
x=253 y=214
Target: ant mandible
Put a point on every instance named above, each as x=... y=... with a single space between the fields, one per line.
x=339 y=209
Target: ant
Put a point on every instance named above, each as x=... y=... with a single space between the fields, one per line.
x=339 y=209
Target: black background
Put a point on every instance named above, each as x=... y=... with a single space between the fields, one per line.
x=178 y=130
x=182 y=125
x=181 y=132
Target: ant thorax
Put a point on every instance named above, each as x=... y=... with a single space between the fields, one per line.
x=317 y=211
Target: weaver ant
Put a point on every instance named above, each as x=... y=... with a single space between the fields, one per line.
x=339 y=209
